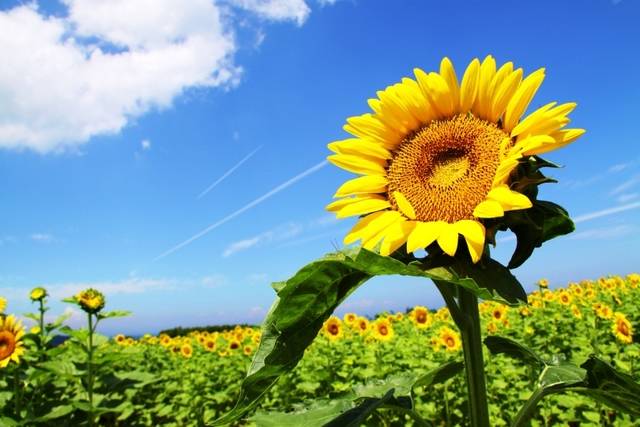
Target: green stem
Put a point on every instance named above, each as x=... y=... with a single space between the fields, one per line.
x=42 y=334
x=90 y=370
x=447 y=412
x=527 y=410
x=473 y=360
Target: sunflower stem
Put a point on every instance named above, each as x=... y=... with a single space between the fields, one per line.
x=473 y=359
x=90 y=370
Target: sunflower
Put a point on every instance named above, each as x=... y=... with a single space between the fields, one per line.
x=165 y=340
x=398 y=317
x=247 y=350
x=234 y=345
x=450 y=339
x=38 y=294
x=499 y=312
x=436 y=156
x=332 y=328
x=576 y=312
x=622 y=328
x=525 y=312
x=492 y=327
x=186 y=350
x=603 y=311
x=543 y=283
x=210 y=344
x=90 y=300
x=350 y=318
x=420 y=317
x=564 y=297
x=3 y=305
x=11 y=333
x=382 y=329
x=120 y=339
x=362 y=325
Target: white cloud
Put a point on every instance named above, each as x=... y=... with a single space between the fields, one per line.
x=605 y=212
x=280 y=233
x=276 y=10
x=41 y=237
x=66 y=79
x=145 y=144
x=627 y=197
x=626 y=185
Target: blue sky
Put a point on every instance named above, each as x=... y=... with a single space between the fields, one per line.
x=115 y=123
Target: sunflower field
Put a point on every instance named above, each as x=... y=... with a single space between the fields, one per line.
x=194 y=379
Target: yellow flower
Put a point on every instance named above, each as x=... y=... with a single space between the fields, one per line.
x=129 y=341
x=120 y=339
x=186 y=350
x=622 y=328
x=382 y=329
x=234 y=345
x=524 y=311
x=603 y=311
x=564 y=297
x=420 y=317
x=543 y=283
x=11 y=333
x=35 y=330
x=38 y=294
x=210 y=344
x=450 y=339
x=3 y=305
x=576 y=312
x=165 y=340
x=332 y=328
x=399 y=316
x=436 y=156
x=362 y=325
x=499 y=312
x=247 y=350
x=492 y=327
x=90 y=300
x=350 y=318
x=223 y=353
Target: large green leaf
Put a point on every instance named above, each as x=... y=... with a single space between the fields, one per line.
x=504 y=345
x=307 y=299
x=318 y=415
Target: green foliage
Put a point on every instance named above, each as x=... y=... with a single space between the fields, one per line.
x=181 y=331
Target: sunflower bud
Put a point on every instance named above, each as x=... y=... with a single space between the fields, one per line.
x=38 y=294
x=90 y=300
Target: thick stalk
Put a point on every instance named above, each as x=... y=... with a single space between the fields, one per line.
x=90 y=370
x=473 y=360
x=42 y=334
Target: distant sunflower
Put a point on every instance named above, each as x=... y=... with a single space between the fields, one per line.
x=165 y=340
x=234 y=345
x=120 y=339
x=543 y=283
x=186 y=350
x=398 y=317
x=603 y=311
x=350 y=318
x=11 y=333
x=38 y=294
x=436 y=156
x=210 y=344
x=247 y=350
x=382 y=329
x=362 y=325
x=499 y=312
x=450 y=339
x=576 y=311
x=420 y=317
x=564 y=297
x=90 y=300
x=622 y=328
x=332 y=328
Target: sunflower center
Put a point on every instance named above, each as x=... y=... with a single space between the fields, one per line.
x=421 y=317
x=446 y=168
x=623 y=328
x=7 y=344
x=333 y=329
x=383 y=330
x=450 y=342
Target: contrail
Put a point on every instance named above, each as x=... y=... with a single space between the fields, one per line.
x=245 y=208
x=605 y=212
x=590 y=216
x=229 y=172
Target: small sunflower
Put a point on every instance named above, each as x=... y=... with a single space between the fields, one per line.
x=11 y=333
x=543 y=283
x=525 y=311
x=210 y=344
x=382 y=329
x=186 y=350
x=362 y=325
x=420 y=317
x=499 y=312
x=350 y=318
x=332 y=328
x=622 y=328
x=3 y=305
x=492 y=327
x=165 y=340
x=564 y=297
x=603 y=311
x=90 y=300
x=576 y=311
x=436 y=156
x=120 y=339
x=38 y=294
x=450 y=339
x=247 y=350
x=234 y=345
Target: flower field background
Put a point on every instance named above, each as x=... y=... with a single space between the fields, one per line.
x=194 y=378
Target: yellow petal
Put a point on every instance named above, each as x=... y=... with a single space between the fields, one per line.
x=370 y=225
x=404 y=205
x=436 y=91
x=448 y=73
x=448 y=239
x=502 y=73
x=504 y=93
x=531 y=120
x=561 y=137
x=339 y=204
x=359 y=146
x=362 y=185
x=488 y=209
x=363 y=206
x=487 y=72
x=469 y=86
x=424 y=234
x=521 y=99
x=509 y=199
x=529 y=143
x=504 y=170
x=474 y=235
x=395 y=236
x=359 y=164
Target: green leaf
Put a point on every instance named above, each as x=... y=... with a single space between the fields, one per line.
x=305 y=301
x=504 y=345
x=611 y=387
x=439 y=375
x=355 y=416
x=114 y=313
x=8 y=422
x=318 y=415
x=534 y=226
x=57 y=412
x=563 y=375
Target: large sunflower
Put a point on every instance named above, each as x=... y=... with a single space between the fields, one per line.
x=436 y=156
x=11 y=333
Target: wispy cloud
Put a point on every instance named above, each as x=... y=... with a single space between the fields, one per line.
x=626 y=185
x=245 y=208
x=229 y=172
x=41 y=237
x=605 y=212
x=627 y=197
x=145 y=144
x=280 y=233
